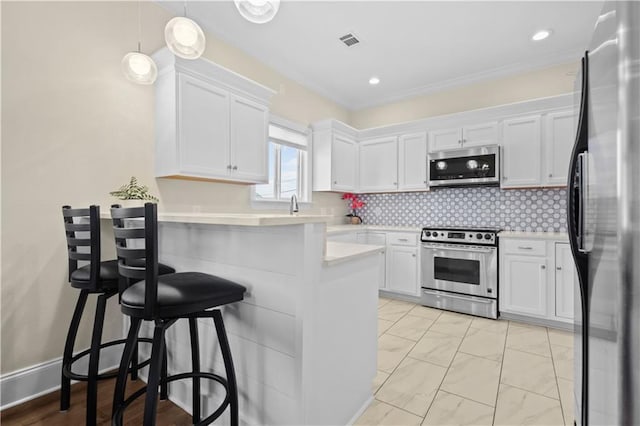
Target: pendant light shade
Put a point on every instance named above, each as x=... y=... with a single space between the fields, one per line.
x=184 y=38
x=139 y=68
x=136 y=66
x=258 y=11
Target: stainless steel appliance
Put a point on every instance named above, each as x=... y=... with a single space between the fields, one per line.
x=604 y=222
x=464 y=167
x=460 y=270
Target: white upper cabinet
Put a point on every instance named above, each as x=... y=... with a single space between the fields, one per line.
x=521 y=152
x=344 y=160
x=203 y=139
x=379 y=164
x=480 y=134
x=464 y=137
x=335 y=157
x=412 y=162
x=444 y=139
x=249 y=125
x=560 y=135
x=211 y=123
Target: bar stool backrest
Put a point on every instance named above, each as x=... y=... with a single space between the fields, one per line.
x=75 y=221
x=145 y=232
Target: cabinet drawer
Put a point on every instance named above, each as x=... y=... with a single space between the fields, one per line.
x=401 y=239
x=525 y=247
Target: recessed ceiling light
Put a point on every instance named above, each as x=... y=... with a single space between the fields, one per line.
x=374 y=80
x=541 y=35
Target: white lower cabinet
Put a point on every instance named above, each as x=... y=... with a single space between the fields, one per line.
x=399 y=271
x=565 y=272
x=526 y=292
x=537 y=279
x=402 y=269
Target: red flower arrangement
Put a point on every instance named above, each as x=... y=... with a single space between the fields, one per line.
x=354 y=204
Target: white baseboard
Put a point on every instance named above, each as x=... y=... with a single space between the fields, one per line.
x=40 y=379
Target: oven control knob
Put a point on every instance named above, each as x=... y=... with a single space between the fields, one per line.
x=435 y=234
x=479 y=236
x=428 y=233
x=487 y=236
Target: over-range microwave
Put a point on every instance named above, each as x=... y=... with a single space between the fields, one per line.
x=463 y=167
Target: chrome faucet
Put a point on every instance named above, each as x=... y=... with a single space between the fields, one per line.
x=293 y=206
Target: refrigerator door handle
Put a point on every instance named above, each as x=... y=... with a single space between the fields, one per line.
x=583 y=196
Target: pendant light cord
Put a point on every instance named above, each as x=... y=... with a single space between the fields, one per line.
x=184 y=5
x=139 y=27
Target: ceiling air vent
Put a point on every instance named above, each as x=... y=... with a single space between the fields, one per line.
x=349 y=39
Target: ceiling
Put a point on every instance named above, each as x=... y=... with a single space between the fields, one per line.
x=413 y=47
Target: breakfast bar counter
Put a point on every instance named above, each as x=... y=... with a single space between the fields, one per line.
x=304 y=335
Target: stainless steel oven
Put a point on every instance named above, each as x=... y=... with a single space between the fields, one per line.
x=463 y=167
x=460 y=270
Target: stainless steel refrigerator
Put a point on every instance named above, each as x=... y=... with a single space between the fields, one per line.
x=604 y=222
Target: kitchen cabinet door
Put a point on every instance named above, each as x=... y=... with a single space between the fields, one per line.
x=559 y=138
x=402 y=270
x=445 y=139
x=412 y=162
x=523 y=285
x=203 y=117
x=480 y=134
x=565 y=275
x=521 y=152
x=344 y=160
x=379 y=165
x=249 y=127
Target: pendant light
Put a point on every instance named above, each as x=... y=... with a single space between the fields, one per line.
x=258 y=11
x=184 y=37
x=138 y=67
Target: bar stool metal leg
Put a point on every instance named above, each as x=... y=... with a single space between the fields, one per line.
x=134 y=363
x=127 y=353
x=195 y=367
x=65 y=389
x=94 y=360
x=155 y=370
x=228 y=366
x=164 y=386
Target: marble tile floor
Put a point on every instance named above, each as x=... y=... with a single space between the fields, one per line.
x=442 y=368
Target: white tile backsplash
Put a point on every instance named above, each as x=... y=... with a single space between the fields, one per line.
x=537 y=210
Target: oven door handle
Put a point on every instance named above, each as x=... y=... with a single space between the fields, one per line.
x=454 y=296
x=474 y=249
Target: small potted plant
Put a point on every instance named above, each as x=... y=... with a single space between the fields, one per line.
x=354 y=204
x=133 y=194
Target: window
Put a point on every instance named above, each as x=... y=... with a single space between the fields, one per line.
x=288 y=164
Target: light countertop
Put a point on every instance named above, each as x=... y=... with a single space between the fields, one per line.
x=561 y=236
x=239 y=219
x=334 y=229
x=337 y=252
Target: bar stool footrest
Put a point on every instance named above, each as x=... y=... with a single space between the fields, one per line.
x=117 y=417
x=66 y=368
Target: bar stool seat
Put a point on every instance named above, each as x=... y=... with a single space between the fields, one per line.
x=181 y=294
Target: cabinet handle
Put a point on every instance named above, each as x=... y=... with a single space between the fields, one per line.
x=403 y=239
x=335 y=182
x=424 y=181
x=504 y=178
x=543 y=267
x=235 y=168
x=559 y=268
x=550 y=174
x=464 y=141
x=413 y=255
x=524 y=248
x=459 y=141
x=229 y=167
x=395 y=183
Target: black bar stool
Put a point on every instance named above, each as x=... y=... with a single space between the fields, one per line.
x=165 y=299
x=102 y=279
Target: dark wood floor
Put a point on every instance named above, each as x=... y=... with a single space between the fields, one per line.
x=45 y=410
